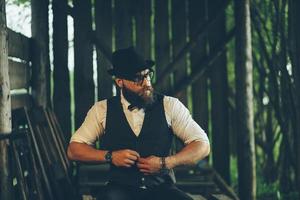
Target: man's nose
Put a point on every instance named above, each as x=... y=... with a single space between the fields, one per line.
x=146 y=82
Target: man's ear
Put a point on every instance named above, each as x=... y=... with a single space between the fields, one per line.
x=119 y=82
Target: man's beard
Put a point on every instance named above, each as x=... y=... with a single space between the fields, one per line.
x=142 y=99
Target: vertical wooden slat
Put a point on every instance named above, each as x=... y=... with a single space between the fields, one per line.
x=123 y=23
x=61 y=93
x=40 y=58
x=103 y=11
x=5 y=112
x=162 y=43
x=197 y=16
x=219 y=87
x=143 y=27
x=83 y=71
x=179 y=39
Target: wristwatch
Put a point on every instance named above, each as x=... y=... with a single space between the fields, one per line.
x=108 y=156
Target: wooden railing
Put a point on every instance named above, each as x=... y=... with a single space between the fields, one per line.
x=19 y=51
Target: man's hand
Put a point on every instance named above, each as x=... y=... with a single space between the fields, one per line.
x=149 y=165
x=124 y=158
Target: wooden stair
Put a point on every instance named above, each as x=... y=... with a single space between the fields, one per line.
x=200 y=183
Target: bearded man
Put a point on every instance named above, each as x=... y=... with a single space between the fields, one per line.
x=135 y=130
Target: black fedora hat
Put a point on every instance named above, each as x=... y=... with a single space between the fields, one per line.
x=127 y=62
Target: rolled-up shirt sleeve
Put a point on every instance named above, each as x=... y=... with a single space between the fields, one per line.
x=93 y=126
x=182 y=123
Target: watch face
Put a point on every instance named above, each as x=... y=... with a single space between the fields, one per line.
x=108 y=156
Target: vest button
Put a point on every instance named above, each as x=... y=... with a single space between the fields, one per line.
x=143 y=179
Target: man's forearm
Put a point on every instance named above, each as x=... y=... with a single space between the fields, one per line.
x=83 y=152
x=189 y=155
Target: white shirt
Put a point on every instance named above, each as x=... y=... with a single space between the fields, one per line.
x=177 y=116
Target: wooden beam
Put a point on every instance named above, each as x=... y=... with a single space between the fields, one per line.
x=21 y=100
x=224 y=186
x=123 y=24
x=218 y=90
x=19 y=75
x=198 y=15
x=18 y=45
x=162 y=44
x=84 y=88
x=103 y=41
x=179 y=39
x=197 y=38
x=204 y=64
x=101 y=46
x=40 y=50
x=142 y=10
x=5 y=111
x=61 y=76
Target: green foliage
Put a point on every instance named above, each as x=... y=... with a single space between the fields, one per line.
x=18 y=2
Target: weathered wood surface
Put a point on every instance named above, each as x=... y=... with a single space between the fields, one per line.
x=19 y=75
x=40 y=50
x=123 y=24
x=18 y=45
x=197 y=16
x=5 y=112
x=179 y=39
x=103 y=12
x=21 y=100
x=142 y=11
x=219 y=89
x=201 y=32
x=61 y=79
x=84 y=88
x=162 y=44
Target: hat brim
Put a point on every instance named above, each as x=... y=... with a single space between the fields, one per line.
x=147 y=65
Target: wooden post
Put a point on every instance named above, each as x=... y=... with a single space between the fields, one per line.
x=40 y=52
x=179 y=39
x=197 y=16
x=61 y=80
x=143 y=27
x=123 y=24
x=219 y=102
x=103 y=11
x=5 y=107
x=244 y=102
x=83 y=71
x=162 y=44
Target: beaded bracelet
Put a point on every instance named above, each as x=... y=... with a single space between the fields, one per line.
x=163 y=163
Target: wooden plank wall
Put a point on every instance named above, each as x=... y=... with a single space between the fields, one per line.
x=103 y=11
x=162 y=39
x=19 y=69
x=84 y=88
x=161 y=30
x=179 y=38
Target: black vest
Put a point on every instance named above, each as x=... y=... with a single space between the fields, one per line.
x=155 y=139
